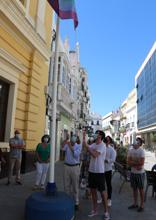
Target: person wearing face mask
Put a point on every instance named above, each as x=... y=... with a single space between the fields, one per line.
x=16 y=146
x=136 y=159
x=42 y=163
x=72 y=149
x=110 y=159
x=96 y=178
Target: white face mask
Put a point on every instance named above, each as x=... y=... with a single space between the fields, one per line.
x=92 y=139
x=136 y=142
x=73 y=139
x=17 y=135
x=46 y=140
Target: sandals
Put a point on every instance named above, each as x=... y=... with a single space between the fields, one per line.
x=133 y=206
x=140 y=209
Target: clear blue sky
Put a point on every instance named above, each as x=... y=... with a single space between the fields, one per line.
x=115 y=37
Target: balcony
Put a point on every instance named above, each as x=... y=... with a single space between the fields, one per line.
x=123 y=118
x=108 y=127
x=122 y=129
x=65 y=102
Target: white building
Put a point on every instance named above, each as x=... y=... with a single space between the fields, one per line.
x=128 y=120
x=145 y=80
x=106 y=124
x=95 y=121
x=121 y=124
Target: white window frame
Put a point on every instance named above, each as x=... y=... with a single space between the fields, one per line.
x=40 y=27
x=25 y=10
x=10 y=71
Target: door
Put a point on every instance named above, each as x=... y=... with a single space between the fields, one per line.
x=4 y=91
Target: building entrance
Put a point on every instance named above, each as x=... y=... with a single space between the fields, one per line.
x=4 y=91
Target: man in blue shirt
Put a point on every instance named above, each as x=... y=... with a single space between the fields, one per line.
x=72 y=167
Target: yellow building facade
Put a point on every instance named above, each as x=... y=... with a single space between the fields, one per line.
x=25 y=39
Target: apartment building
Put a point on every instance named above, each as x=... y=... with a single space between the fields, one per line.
x=145 y=80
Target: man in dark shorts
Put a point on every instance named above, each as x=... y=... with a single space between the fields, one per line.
x=136 y=158
x=96 y=179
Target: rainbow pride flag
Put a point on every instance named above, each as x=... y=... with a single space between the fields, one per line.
x=65 y=9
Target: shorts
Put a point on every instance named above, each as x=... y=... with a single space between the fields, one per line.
x=96 y=181
x=137 y=180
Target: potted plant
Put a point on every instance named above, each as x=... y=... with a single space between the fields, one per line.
x=122 y=155
x=154 y=138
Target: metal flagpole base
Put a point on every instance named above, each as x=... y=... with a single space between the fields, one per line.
x=58 y=207
x=51 y=189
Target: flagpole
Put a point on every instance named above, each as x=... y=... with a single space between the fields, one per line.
x=52 y=204
x=51 y=186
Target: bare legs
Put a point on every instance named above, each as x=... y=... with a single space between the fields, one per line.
x=94 y=199
x=135 y=197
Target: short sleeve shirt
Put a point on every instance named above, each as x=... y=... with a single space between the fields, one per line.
x=97 y=164
x=14 y=152
x=44 y=152
x=137 y=154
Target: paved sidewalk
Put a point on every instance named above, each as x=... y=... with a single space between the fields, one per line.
x=12 y=200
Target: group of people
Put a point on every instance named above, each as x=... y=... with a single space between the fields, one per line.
x=102 y=156
x=100 y=159
x=42 y=159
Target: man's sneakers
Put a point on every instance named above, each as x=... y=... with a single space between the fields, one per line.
x=106 y=216
x=109 y=202
x=83 y=184
x=99 y=201
x=93 y=213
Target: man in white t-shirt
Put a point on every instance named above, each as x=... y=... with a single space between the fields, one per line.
x=96 y=177
x=136 y=158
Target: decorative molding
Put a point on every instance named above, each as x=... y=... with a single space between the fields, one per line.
x=10 y=59
x=17 y=16
x=10 y=31
x=40 y=27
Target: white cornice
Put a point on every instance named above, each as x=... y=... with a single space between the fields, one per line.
x=18 y=18
x=9 y=58
x=149 y=128
x=146 y=60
